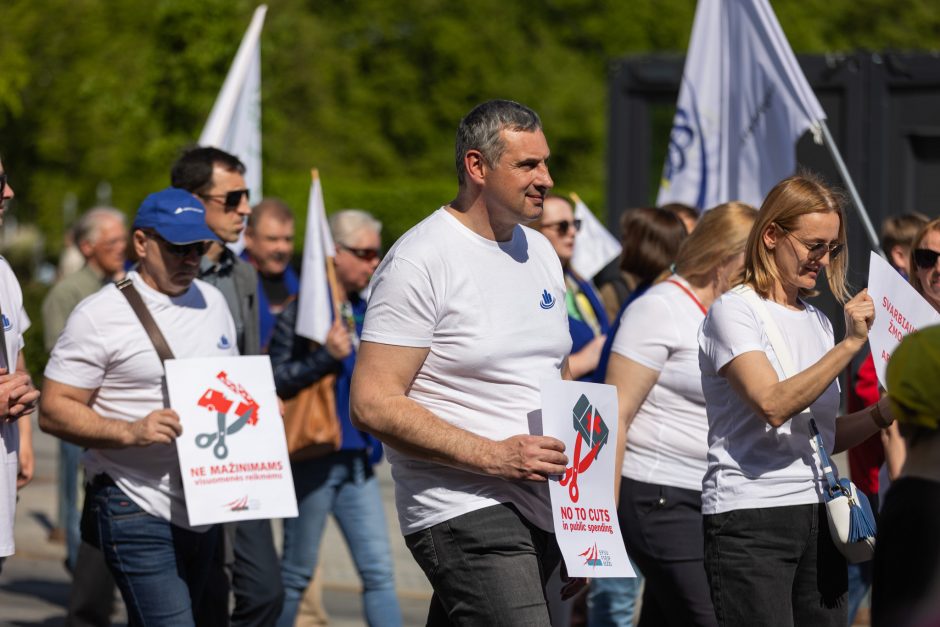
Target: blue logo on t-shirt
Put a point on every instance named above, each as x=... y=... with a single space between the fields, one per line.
x=7 y=325
x=224 y=343
x=548 y=301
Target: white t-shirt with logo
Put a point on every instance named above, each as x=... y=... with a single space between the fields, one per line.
x=104 y=347
x=15 y=322
x=493 y=316
x=750 y=463
x=668 y=438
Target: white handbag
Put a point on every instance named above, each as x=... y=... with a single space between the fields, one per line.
x=851 y=520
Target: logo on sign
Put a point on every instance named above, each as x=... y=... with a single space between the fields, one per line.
x=593 y=557
x=241 y=505
x=213 y=400
x=592 y=433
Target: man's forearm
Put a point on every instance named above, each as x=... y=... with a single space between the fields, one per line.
x=408 y=427
x=77 y=423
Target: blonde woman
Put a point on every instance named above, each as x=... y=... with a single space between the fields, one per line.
x=654 y=364
x=769 y=557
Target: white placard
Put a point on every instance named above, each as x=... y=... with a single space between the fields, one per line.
x=584 y=416
x=232 y=453
x=899 y=310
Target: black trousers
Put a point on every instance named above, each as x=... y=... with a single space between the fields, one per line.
x=253 y=574
x=775 y=567
x=662 y=530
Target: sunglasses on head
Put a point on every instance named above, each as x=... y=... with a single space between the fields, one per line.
x=231 y=199
x=925 y=258
x=563 y=226
x=180 y=250
x=366 y=254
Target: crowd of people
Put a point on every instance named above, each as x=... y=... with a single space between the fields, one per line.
x=724 y=372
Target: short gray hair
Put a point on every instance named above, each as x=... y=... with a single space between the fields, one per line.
x=88 y=227
x=345 y=223
x=480 y=130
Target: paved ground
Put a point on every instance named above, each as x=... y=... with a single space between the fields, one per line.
x=34 y=584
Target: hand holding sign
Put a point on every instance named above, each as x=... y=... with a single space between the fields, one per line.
x=527 y=458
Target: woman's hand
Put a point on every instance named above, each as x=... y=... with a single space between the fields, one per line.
x=859 y=316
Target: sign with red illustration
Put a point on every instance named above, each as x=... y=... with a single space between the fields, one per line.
x=584 y=416
x=232 y=453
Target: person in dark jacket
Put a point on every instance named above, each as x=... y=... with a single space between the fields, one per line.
x=341 y=483
x=248 y=552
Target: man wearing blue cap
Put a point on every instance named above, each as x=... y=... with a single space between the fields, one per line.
x=104 y=390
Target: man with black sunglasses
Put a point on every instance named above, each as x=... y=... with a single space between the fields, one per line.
x=252 y=564
x=104 y=391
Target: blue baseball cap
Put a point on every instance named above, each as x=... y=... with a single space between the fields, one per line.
x=178 y=216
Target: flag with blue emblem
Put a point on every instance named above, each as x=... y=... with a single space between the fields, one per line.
x=743 y=104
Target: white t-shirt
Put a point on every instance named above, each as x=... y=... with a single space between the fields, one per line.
x=667 y=440
x=750 y=463
x=104 y=347
x=493 y=316
x=15 y=322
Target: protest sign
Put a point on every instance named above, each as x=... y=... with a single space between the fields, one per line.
x=584 y=416
x=899 y=310
x=232 y=453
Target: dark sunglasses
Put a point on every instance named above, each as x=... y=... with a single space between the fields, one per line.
x=3 y=185
x=563 y=226
x=180 y=250
x=231 y=199
x=819 y=249
x=366 y=254
x=925 y=258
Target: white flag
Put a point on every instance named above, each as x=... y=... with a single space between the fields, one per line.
x=314 y=304
x=743 y=104
x=594 y=246
x=235 y=122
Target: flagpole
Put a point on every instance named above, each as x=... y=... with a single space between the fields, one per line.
x=330 y=267
x=850 y=185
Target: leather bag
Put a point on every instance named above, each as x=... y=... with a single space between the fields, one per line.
x=310 y=421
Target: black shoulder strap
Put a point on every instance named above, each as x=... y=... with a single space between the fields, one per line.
x=143 y=314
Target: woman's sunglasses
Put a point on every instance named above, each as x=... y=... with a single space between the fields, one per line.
x=563 y=226
x=366 y=254
x=925 y=258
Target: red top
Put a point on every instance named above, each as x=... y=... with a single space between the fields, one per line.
x=865 y=460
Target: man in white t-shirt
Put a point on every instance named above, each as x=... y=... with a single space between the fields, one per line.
x=17 y=395
x=104 y=390
x=466 y=318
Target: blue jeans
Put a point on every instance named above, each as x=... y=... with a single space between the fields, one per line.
x=343 y=484
x=161 y=569
x=487 y=567
x=69 y=457
x=611 y=600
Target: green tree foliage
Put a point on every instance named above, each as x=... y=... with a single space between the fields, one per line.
x=369 y=91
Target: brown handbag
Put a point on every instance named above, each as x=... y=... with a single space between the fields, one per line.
x=310 y=421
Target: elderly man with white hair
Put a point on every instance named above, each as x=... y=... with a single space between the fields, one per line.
x=341 y=483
